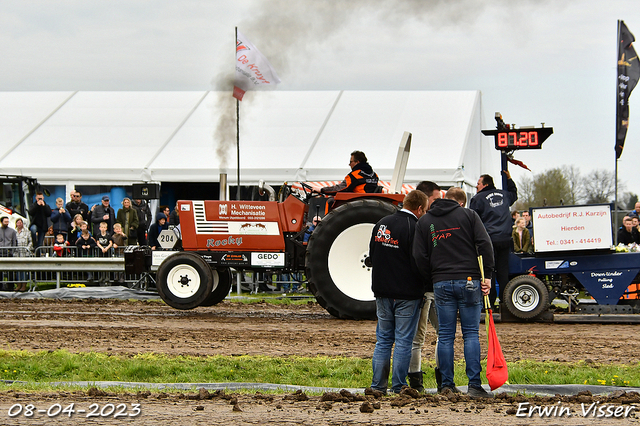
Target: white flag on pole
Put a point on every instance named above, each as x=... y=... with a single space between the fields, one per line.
x=253 y=70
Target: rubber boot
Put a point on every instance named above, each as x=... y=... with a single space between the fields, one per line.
x=415 y=381
x=438 y=379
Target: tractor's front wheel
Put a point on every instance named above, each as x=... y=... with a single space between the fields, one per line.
x=184 y=280
x=526 y=297
x=336 y=254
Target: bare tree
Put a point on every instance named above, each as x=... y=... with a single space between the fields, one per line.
x=576 y=186
x=628 y=200
x=525 y=193
x=600 y=186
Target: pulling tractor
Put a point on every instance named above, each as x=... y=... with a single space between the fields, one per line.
x=268 y=236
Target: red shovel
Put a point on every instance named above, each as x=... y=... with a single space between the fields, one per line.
x=497 y=373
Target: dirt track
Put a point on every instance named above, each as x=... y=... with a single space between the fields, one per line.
x=120 y=327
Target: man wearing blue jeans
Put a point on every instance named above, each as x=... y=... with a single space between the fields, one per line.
x=447 y=242
x=398 y=288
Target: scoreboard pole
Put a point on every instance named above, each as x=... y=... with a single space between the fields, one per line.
x=504 y=167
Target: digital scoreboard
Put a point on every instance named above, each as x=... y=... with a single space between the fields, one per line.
x=508 y=138
x=512 y=139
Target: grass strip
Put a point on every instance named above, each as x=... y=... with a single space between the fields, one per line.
x=61 y=365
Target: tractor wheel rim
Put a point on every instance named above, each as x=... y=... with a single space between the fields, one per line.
x=525 y=298
x=346 y=262
x=183 y=281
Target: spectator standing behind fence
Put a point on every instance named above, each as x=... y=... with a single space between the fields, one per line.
x=521 y=237
x=60 y=219
x=174 y=217
x=7 y=239
x=103 y=241
x=40 y=213
x=155 y=230
x=128 y=219
x=25 y=248
x=86 y=247
x=86 y=244
x=119 y=239
x=103 y=213
x=144 y=217
x=23 y=236
x=75 y=229
x=76 y=206
x=627 y=234
x=60 y=247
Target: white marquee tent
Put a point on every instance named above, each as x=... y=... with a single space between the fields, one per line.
x=116 y=138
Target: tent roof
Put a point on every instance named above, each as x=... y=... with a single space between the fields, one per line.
x=122 y=137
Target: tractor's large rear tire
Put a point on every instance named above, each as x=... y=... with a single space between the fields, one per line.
x=221 y=287
x=335 y=258
x=184 y=280
x=526 y=297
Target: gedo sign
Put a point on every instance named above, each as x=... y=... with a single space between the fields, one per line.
x=569 y=228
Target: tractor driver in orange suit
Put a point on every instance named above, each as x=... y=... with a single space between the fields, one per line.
x=361 y=179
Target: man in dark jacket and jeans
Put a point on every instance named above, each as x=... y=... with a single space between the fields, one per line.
x=448 y=240
x=493 y=207
x=40 y=213
x=398 y=289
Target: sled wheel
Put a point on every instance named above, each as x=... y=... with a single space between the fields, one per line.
x=335 y=258
x=526 y=296
x=184 y=280
x=221 y=287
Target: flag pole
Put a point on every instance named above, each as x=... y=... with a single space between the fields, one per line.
x=615 y=152
x=237 y=129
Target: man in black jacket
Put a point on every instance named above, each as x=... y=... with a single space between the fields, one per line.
x=40 y=213
x=398 y=289
x=448 y=240
x=76 y=206
x=428 y=312
x=493 y=207
x=104 y=213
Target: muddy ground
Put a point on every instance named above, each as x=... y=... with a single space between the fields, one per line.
x=230 y=328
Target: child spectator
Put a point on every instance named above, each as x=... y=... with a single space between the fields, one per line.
x=60 y=219
x=86 y=246
x=521 y=237
x=103 y=241
x=60 y=247
x=119 y=239
x=75 y=229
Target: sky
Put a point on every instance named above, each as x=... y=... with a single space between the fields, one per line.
x=533 y=60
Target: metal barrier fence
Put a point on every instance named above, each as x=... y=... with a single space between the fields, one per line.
x=66 y=266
